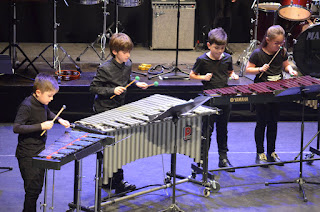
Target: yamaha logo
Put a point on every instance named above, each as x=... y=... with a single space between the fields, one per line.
x=239 y=99
x=313 y=36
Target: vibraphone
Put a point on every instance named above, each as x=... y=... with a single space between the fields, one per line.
x=139 y=138
x=259 y=92
x=71 y=146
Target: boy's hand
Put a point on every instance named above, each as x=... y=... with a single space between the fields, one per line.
x=234 y=76
x=207 y=77
x=47 y=125
x=64 y=123
x=142 y=85
x=119 y=90
x=293 y=73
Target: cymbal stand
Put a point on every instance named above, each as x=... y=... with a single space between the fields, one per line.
x=56 y=46
x=174 y=73
x=244 y=57
x=300 y=180
x=13 y=43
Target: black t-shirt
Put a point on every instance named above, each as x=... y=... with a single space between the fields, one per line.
x=259 y=58
x=110 y=75
x=30 y=115
x=220 y=70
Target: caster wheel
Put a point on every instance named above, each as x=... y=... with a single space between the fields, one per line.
x=78 y=59
x=206 y=192
x=167 y=180
x=309 y=156
x=193 y=174
x=214 y=186
x=266 y=183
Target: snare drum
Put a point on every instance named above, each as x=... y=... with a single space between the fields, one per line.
x=267 y=17
x=129 y=3
x=88 y=2
x=306 y=51
x=294 y=10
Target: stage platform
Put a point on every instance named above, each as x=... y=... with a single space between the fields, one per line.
x=75 y=93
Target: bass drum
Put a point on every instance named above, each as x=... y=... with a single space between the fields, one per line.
x=88 y=2
x=306 y=51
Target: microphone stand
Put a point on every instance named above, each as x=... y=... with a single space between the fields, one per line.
x=174 y=73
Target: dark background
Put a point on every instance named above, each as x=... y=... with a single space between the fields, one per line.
x=81 y=23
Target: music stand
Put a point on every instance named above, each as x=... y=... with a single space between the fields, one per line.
x=175 y=112
x=175 y=73
x=303 y=92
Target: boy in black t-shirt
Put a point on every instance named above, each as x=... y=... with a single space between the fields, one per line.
x=32 y=118
x=214 y=69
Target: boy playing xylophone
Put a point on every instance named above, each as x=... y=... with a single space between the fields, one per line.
x=111 y=79
x=214 y=69
x=32 y=118
x=267 y=62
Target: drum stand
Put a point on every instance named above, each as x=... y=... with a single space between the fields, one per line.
x=13 y=44
x=174 y=73
x=106 y=33
x=303 y=92
x=56 y=46
x=244 y=57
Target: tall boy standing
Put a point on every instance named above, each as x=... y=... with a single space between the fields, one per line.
x=111 y=79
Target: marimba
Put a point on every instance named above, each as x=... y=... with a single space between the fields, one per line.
x=71 y=146
x=138 y=138
x=259 y=92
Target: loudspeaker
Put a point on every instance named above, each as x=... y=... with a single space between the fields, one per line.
x=164 y=25
x=5 y=64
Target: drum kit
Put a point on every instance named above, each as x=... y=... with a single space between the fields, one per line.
x=300 y=20
x=107 y=31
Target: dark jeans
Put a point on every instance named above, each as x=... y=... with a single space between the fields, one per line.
x=221 y=129
x=33 y=182
x=267 y=117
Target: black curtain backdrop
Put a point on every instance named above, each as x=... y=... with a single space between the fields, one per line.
x=83 y=23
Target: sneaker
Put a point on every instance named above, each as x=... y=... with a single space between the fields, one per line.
x=275 y=158
x=225 y=163
x=261 y=158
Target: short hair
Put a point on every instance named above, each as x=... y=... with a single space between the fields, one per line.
x=271 y=33
x=120 y=42
x=45 y=82
x=217 y=36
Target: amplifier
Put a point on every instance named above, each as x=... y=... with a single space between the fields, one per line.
x=164 y=24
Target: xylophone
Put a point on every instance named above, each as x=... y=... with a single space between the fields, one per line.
x=141 y=138
x=259 y=92
x=71 y=146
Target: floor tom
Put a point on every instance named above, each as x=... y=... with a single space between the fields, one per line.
x=294 y=10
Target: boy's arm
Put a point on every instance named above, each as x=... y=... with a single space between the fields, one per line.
x=194 y=75
x=20 y=126
x=97 y=86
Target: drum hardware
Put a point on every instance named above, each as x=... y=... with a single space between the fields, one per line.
x=56 y=47
x=175 y=72
x=106 y=32
x=303 y=92
x=13 y=45
x=244 y=56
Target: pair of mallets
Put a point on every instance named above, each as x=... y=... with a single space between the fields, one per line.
x=137 y=78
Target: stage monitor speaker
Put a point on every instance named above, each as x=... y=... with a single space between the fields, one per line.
x=164 y=25
x=5 y=65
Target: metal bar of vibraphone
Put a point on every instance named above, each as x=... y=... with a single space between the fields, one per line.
x=168 y=185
